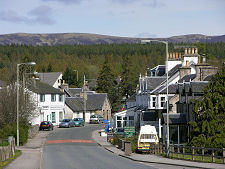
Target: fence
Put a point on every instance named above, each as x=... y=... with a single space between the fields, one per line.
x=195 y=152
x=7 y=148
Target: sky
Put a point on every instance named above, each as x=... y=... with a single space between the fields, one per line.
x=126 y=18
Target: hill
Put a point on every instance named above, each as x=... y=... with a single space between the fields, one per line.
x=85 y=38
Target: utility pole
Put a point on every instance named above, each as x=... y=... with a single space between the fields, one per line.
x=85 y=98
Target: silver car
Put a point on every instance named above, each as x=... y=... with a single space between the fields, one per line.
x=66 y=123
x=96 y=118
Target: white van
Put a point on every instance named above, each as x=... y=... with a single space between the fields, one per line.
x=147 y=137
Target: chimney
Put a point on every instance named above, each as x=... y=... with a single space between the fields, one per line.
x=180 y=55
x=187 y=63
x=170 y=57
x=184 y=70
x=173 y=55
x=183 y=63
x=185 y=51
x=193 y=50
x=189 y=50
x=203 y=59
x=176 y=55
x=196 y=50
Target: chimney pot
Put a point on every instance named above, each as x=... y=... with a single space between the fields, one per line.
x=187 y=63
x=189 y=50
x=176 y=55
x=185 y=51
x=173 y=55
x=196 y=50
x=182 y=63
x=193 y=50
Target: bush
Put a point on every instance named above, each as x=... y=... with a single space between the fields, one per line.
x=11 y=130
x=133 y=140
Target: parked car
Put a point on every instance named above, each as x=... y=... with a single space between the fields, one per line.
x=96 y=118
x=78 y=122
x=46 y=125
x=66 y=123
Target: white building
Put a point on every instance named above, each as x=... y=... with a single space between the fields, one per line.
x=50 y=103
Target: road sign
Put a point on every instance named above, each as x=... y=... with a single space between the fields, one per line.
x=129 y=131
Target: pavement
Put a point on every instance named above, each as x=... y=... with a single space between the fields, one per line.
x=32 y=152
x=148 y=158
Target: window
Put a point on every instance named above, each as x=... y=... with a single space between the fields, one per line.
x=60 y=97
x=42 y=97
x=119 y=118
x=153 y=101
x=53 y=97
x=53 y=117
x=162 y=101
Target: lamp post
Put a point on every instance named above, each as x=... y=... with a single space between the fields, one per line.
x=167 y=103
x=77 y=74
x=17 y=99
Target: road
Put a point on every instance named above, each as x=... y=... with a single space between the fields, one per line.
x=73 y=148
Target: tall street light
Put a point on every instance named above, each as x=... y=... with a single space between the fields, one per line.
x=17 y=99
x=167 y=103
x=77 y=74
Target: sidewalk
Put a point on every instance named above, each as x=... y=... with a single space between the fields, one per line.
x=31 y=155
x=102 y=141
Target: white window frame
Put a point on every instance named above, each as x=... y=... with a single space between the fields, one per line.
x=42 y=97
x=53 y=97
x=153 y=101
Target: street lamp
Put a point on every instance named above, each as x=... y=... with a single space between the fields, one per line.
x=17 y=99
x=77 y=74
x=167 y=103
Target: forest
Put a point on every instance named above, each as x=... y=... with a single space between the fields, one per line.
x=87 y=59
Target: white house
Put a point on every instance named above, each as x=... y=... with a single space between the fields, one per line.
x=50 y=103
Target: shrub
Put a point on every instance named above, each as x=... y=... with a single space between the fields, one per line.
x=11 y=130
x=133 y=140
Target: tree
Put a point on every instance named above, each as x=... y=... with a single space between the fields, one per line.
x=70 y=77
x=106 y=83
x=209 y=124
x=128 y=79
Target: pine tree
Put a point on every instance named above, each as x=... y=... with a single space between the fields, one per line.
x=209 y=124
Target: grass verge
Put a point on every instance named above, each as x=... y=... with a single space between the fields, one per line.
x=5 y=163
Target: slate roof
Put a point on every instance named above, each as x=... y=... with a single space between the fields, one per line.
x=208 y=78
x=172 y=89
x=132 y=98
x=174 y=70
x=187 y=78
x=74 y=92
x=43 y=88
x=197 y=87
x=153 y=82
x=94 y=102
x=175 y=118
x=49 y=77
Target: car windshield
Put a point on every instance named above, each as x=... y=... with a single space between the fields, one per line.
x=120 y=130
x=93 y=116
x=76 y=119
x=66 y=120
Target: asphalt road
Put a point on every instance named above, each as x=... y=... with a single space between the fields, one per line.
x=73 y=148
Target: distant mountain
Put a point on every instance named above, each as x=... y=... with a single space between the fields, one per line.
x=85 y=38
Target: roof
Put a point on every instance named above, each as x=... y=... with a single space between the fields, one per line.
x=153 y=82
x=187 y=78
x=174 y=70
x=132 y=98
x=208 y=78
x=74 y=92
x=43 y=88
x=175 y=118
x=95 y=101
x=197 y=87
x=49 y=77
x=172 y=89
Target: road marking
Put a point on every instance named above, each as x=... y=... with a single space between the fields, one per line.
x=69 y=141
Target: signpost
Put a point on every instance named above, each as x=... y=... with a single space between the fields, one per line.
x=129 y=131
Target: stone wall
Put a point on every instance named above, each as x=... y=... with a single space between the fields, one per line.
x=33 y=130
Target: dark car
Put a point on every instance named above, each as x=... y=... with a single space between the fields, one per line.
x=78 y=122
x=46 y=125
x=66 y=123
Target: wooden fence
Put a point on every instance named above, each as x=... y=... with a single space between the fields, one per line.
x=182 y=151
x=7 y=151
